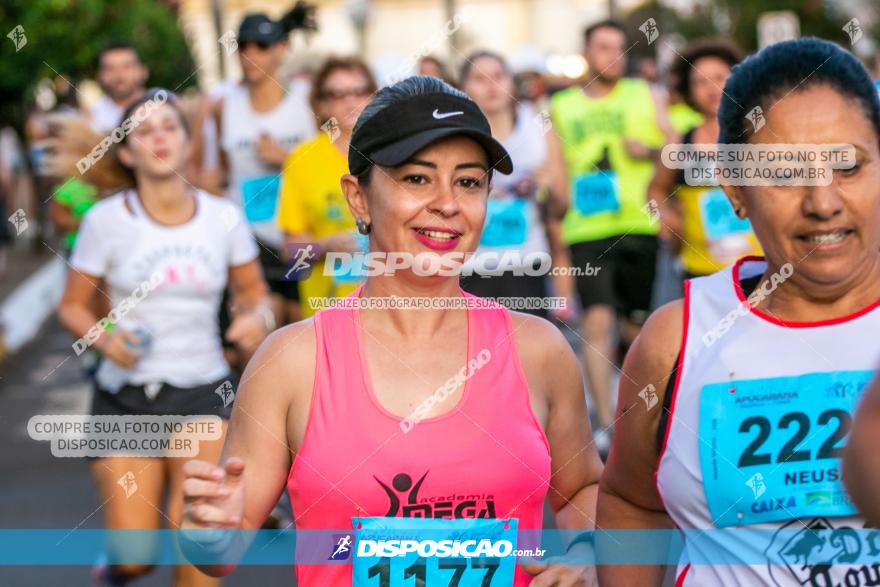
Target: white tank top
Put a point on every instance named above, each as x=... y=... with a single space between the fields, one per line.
x=252 y=184
x=756 y=420
x=512 y=218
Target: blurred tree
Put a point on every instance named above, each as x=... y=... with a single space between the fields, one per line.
x=738 y=19
x=64 y=36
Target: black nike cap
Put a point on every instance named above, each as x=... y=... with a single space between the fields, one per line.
x=402 y=129
x=259 y=28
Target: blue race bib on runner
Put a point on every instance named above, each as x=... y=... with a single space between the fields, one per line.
x=595 y=193
x=717 y=215
x=506 y=222
x=404 y=552
x=259 y=197
x=770 y=448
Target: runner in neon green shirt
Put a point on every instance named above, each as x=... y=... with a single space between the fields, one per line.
x=611 y=128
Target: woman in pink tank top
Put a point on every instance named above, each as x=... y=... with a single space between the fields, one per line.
x=427 y=418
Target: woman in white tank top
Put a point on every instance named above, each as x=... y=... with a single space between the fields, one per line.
x=735 y=402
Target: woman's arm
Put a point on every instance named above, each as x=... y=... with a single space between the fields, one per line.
x=558 y=185
x=75 y=313
x=551 y=366
x=253 y=315
x=861 y=463
x=268 y=417
x=662 y=191
x=628 y=497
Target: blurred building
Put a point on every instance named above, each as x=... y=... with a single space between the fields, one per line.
x=396 y=32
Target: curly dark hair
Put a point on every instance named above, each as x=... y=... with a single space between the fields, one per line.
x=681 y=70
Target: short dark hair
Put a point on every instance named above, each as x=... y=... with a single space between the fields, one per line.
x=116 y=46
x=792 y=66
x=608 y=23
x=683 y=67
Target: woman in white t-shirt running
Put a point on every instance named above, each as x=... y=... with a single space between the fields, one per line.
x=165 y=251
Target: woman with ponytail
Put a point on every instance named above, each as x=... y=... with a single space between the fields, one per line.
x=259 y=122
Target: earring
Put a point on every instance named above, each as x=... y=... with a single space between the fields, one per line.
x=738 y=212
x=363 y=227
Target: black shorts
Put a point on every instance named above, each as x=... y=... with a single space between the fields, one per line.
x=274 y=268
x=132 y=400
x=508 y=286
x=201 y=400
x=623 y=273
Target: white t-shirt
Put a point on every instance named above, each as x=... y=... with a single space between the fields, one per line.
x=171 y=278
x=105 y=114
x=253 y=184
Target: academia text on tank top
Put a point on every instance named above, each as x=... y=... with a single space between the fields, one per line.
x=253 y=184
x=758 y=416
x=488 y=457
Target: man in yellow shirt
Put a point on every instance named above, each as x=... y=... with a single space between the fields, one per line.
x=312 y=208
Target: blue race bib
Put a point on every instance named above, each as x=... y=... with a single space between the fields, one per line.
x=717 y=215
x=506 y=223
x=770 y=448
x=406 y=552
x=595 y=193
x=260 y=197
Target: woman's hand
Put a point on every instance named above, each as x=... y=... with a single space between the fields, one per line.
x=213 y=496
x=248 y=330
x=119 y=346
x=269 y=151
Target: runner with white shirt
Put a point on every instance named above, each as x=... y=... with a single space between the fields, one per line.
x=166 y=252
x=260 y=121
x=514 y=224
x=736 y=402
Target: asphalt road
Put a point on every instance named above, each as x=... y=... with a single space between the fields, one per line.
x=42 y=491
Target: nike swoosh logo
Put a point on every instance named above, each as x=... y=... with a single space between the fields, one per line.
x=438 y=115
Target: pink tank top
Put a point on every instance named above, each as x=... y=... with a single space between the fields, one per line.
x=487 y=457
